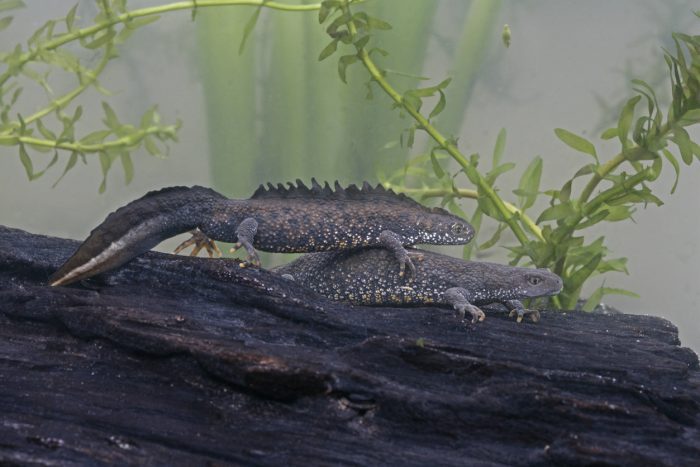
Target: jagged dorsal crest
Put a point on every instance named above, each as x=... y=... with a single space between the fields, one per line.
x=325 y=192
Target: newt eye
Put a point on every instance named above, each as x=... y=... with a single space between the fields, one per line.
x=457 y=228
x=534 y=280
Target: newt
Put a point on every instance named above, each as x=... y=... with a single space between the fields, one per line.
x=287 y=219
x=364 y=277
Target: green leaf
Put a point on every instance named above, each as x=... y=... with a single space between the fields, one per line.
x=110 y=119
x=327 y=7
x=70 y=17
x=411 y=137
x=616 y=291
x=556 y=212
x=71 y=163
x=529 y=185
x=576 y=280
x=576 y=142
x=440 y=106
x=618 y=212
x=26 y=162
x=564 y=194
x=411 y=100
x=488 y=208
x=105 y=164
x=593 y=219
x=101 y=40
x=613 y=265
x=11 y=4
x=5 y=22
x=494 y=238
x=610 y=133
x=128 y=167
x=343 y=64
x=494 y=173
x=506 y=35
x=499 y=147
x=625 y=121
x=676 y=166
x=475 y=221
x=51 y=163
x=45 y=132
x=95 y=137
x=439 y=173
x=595 y=298
x=682 y=140
x=375 y=23
x=151 y=147
x=361 y=42
x=249 y=26
x=328 y=50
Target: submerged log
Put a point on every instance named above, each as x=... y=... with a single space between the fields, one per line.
x=170 y=361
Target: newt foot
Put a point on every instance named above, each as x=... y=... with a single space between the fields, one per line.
x=200 y=241
x=533 y=314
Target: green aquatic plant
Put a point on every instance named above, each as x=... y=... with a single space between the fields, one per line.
x=54 y=129
x=554 y=238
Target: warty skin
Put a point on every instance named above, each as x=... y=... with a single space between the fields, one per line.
x=288 y=219
x=368 y=277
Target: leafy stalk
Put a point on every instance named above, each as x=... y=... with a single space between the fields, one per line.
x=556 y=242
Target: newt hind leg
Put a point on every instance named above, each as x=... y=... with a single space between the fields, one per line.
x=200 y=241
x=246 y=233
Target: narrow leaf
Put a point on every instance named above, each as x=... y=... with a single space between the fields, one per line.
x=530 y=183
x=580 y=276
x=576 y=142
x=110 y=117
x=682 y=140
x=439 y=173
x=440 y=106
x=498 y=171
x=10 y=4
x=499 y=147
x=328 y=50
x=625 y=121
x=128 y=167
x=5 y=22
x=556 y=212
x=71 y=163
x=610 y=133
x=105 y=163
x=70 y=17
x=494 y=238
x=249 y=26
x=343 y=64
x=45 y=132
x=676 y=166
x=26 y=162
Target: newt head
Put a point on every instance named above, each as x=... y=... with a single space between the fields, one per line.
x=538 y=283
x=443 y=228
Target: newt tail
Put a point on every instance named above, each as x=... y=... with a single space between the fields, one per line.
x=292 y=219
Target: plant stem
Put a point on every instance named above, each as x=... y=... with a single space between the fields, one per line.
x=82 y=148
x=64 y=100
x=472 y=173
x=156 y=10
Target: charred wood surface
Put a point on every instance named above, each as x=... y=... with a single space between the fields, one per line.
x=171 y=361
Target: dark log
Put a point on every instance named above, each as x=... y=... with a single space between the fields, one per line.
x=170 y=361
